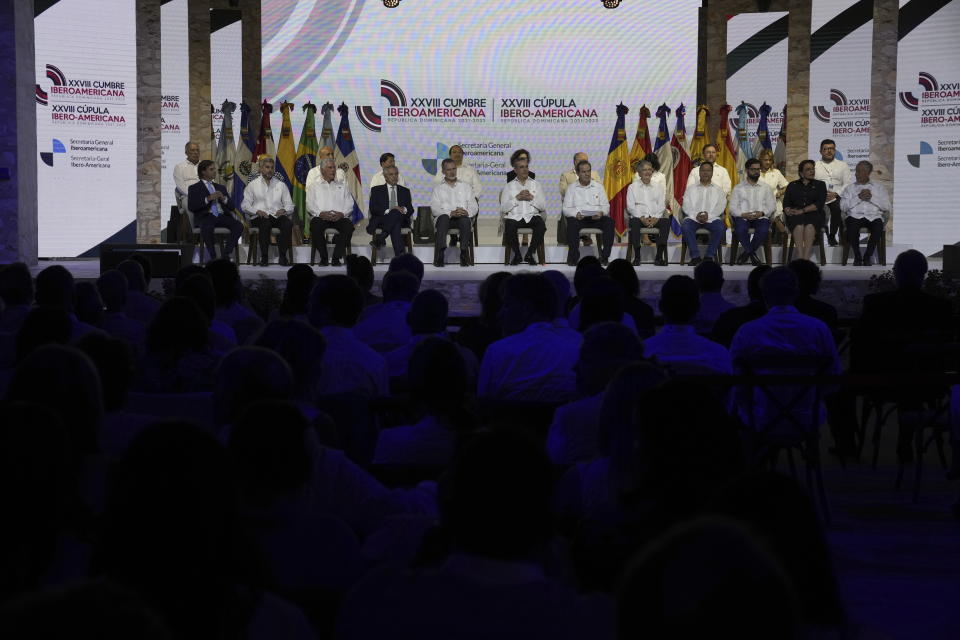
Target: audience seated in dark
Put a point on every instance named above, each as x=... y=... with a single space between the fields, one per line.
x=601 y=302
x=407 y=262
x=43 y=325
x=199 y=288
x=296 y=295
x=479 y=333
x=247 y=375
x=709 y=278
x=349 y=366
x=677 y=346
x=302 y=347
x=16 y=291
x=534 y=362
x=383 y=327
x=228 y=290
x=588 y=268
x=144 y=262
x=561 y=285
x=89 y=305
x=626 y=275
x=809 y=278
x=140 y=306
x=708 y=578
x=606 y=348
x=55 y=289
x=360 y=269
x=496 y=509
x=731 y=320
x=178 y=356
x=112 y=286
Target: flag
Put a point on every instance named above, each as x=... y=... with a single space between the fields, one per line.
x=665 y=157
x=213 y=133
x=699 y=135
x=763 y=133
x=286 y=155
x=326 y=135
x=780 y=152
x=306 y=160
x=243 y=168
x=641 y=141
x=265 y=137
x=744 y=152
x=226 y=148
x=618 y=175
x=726 y=151
x=345 y=152
x=682 y=166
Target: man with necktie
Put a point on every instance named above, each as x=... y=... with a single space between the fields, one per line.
x=211 y=207
x=390 y=210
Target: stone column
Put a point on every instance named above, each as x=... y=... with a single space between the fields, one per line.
x=148 y=121
x=798 y=81
x=201 y=122
x=251 y=48
x=883 y=93
x=18 y=135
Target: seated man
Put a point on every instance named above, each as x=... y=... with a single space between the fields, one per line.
x=751 y=206
x=586 y=205
x=865 y=204
x=731 y=320
x=329 y=204
x=267 y=205
x=709 y=278
x=522 y=203
x=391 y=208
x=453 y=203
x=703 y=205
x=647 y=208
x=211 y=207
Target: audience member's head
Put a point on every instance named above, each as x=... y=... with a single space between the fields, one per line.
x=248 y=374
x=709 y=276
x=300 y=281
x=407 y=262
x=43 y=325
x=436 y=363
x=55 y=288
x=527 y=298
x=622 y=399
x=185 y=272
x=226 y=281
x=16 y=284
x=601 y=302
x=178 y=327
x=89 y=305
x=561 y=285
x=65 y=380
x=679 y=300
x=491 y=297
x=360 y=269
x=625 y=275
x=808 y=276
x=710 y=577
x=114 y=364
x=428 y=313
x=588 y=270
x=113 y=290
x=199 y=288
x=496 y=499
x=302 y=346
x=144 y=262
x=399 y=286
x=133 y=272
x=909 y=269
x=336 y=300
x=779 y=287
x=753 y=281
x=606 y=347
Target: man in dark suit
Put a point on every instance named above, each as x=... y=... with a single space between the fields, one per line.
x=212 y=207
x=390 y=210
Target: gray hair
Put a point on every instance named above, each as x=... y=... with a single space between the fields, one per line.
x=325 y=161
x=265 y=158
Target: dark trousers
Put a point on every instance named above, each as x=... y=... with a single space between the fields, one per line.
x=265 y=224
x=390 y=223
x=511 y=236
x=442 y=225
x=741 y=228
x=604 y=223
x=340 y=241
x=663 y=233
x=834 y=219
x=875 y=227
x=226 y=221
x=689 y=227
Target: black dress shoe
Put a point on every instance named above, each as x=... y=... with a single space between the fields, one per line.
x=263 y=262
x=516 y=260
x=832 y=241
x=438 y=263
x=660 y=262
x=336 y=262
x=324 y=262
x=867 y=261
x=530 y=260
x=755 y=260
x=695 y=261
x=464 y=261
x=636 y=262
x=858 y=262
x=743 y=257
x=604 y=262
x=571 y=263
x=284 y=262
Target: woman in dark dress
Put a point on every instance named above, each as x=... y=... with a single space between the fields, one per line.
x=803 y=209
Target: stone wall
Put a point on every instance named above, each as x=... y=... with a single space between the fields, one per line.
x=148 y=121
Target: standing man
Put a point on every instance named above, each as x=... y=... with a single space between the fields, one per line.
x=315 y=174
x=703 y=204
x=647 y=208
x=751 y=207
x=185 y=173
x=585 y=205
x=329 y=205
x=211 y=207
x=865 y=204
x=836 y=175
x=386 y=160
x=465 y=173
x=390 y=210
x=453 y=203
x=267 y=205
x=522 y=203
x=720 y=176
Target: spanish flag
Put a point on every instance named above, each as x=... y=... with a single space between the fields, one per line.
x=641 y=141
x=618 y=175
x=699 y=135
x=265 y=137
x=306 y=160
x=286 y=155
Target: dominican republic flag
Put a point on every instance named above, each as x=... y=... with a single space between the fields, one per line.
x=346 y=153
